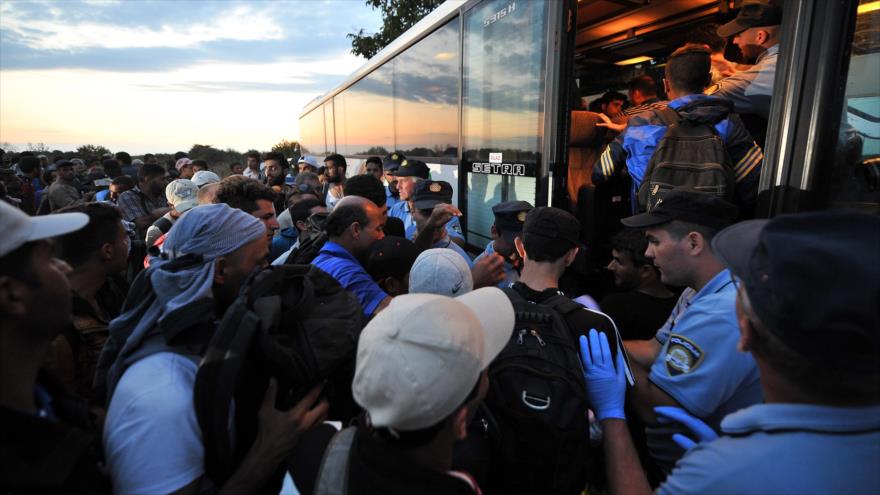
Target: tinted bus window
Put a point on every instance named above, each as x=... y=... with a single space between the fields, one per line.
x=368 y=117
x=855 y=180
x=311 y=130
x=502 y=106
x=426 y=80
x=329 y=132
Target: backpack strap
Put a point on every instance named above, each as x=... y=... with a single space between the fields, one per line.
x=333 y=473
x=668 y=116
x=163 y=224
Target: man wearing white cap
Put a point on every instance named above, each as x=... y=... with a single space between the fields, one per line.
x=45 y=445
x=420 y=374
x=182 y=195
x=204 y=177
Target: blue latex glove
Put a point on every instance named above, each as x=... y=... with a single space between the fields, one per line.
x=703 y=432
x=606 y=386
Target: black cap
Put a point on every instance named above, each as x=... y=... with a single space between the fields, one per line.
x=510 y=217
x=553 y=223
x=392 y=162
x=753 y=13
x=813 y=279
x=413 y=168
x=688 y=206
x=391 y=257
x=430 y=193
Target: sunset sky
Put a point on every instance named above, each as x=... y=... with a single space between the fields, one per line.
x=160 y=76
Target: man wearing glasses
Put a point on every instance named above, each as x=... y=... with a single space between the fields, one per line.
x=692 y=363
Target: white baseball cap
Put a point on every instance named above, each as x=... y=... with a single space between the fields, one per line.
x=440 y=271
x=18 y=228
x=182 y=194
x=203 y=177
x=309 y=160
x=420 y=357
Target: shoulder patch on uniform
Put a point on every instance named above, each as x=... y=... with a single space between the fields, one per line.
x=682 y=355
x=711 y=90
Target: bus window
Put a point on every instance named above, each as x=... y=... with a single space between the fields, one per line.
x=855 y=178
x=312 y=132
x=502 y=106
x=369 y=113
x=329 y=131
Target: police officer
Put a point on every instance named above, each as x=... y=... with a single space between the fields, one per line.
x=427 y=195
x=692 y=363
x=819 y=355
x=509 y=219
x=409 y=175
x=390 y=164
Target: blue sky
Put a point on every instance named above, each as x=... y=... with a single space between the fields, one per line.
x=162 y=75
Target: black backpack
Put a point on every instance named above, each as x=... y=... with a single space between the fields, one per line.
x=308 y=250
x=690 y=155
x=291 y=322
x=538 y=401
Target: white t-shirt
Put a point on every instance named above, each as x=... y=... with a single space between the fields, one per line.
x=152 y=438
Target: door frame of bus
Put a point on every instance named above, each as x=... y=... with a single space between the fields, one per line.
x=810 y=86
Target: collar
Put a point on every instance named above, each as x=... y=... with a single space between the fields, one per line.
x=716 y=285
x=805 y=417
x=772 y=51
x=686 y=99
x=337 y=250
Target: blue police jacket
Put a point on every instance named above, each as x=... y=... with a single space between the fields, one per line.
x=786 y=449
x=632 y=149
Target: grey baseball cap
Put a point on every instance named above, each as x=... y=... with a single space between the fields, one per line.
x=440 y=271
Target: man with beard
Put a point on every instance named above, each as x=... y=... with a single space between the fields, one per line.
x=300 y=214
x=335 y=168
x=276 y=171
x=353 y=226
x=146 y=203
x=64 y=191
x=509 y=219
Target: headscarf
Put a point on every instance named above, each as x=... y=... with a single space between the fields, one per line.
x=176 y=291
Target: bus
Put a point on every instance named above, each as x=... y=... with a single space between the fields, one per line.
x=484 y=91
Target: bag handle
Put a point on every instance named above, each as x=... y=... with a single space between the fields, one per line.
x=333 y=473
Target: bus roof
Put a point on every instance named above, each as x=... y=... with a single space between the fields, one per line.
x=435 y=19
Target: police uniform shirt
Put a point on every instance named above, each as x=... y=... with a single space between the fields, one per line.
x=401 y=211
x=447 y=243
x=785 y=449
x=750 y=90
x=700 y=367
x=510 y=273
x=390 y=200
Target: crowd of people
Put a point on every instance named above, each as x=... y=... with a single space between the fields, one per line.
x=164 y=329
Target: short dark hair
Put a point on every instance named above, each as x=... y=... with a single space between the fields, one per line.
x=150 y=170
x=706 y=34
x=366 y=186
x=179 y=155
x=610 y=96
x=253 y=154
x=688 y=69
x=76 y=248
x=301 y=211
x=123 y=180
x=148 y=156
x=233 y=164
x=644 y=84
x=337 y=159
x=541 y=248
x=27 y=164
x=343 y=216
x=200 y=163
x=278 y=157
x=241 y=192
x=678 y=229
x=111 y=167
x=123 y=157
x=302 y=177
x=374 y=159
x=632 y=243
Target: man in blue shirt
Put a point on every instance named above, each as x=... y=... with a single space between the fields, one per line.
x=687 y=75
x=693 y=362
x=390 y=164
x=818 y=351
x=409 y=175
x=509 y=219
x=352 y=228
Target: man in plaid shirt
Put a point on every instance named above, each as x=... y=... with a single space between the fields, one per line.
x=146 y=202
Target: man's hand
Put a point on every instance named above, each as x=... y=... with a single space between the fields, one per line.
x=279 y=431
x=606 y=386
x=607 y=122
x=489 y=271
x=441 y=215
x=702 y=431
